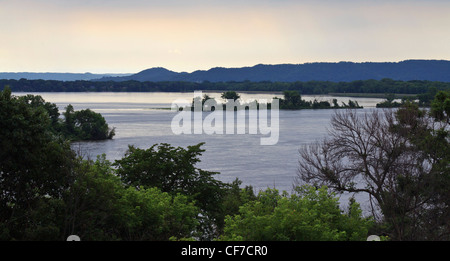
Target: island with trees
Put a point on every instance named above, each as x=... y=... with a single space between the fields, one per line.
x=74 y=126
x=291 y=100
x=421 y=100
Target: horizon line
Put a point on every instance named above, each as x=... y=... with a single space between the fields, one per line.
x=215 y=67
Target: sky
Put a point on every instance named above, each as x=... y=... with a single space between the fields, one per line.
x=112 y=36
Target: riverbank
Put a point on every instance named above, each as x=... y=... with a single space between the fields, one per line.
x=371 y=95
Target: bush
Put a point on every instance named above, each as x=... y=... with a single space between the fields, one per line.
x=309 y=214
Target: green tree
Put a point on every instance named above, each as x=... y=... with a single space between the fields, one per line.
x=34 y=163
x=426 y=98
x=202 y=100
x=235 y=197
x=230 y=95
x=309 y=214
x=100 y=207
x=440 y=106
x=149 y=214
x=69 y=122
x=37 y=101
x=292 y=100
x=173 y=170
x=428 y=134
x=91 y=204
x=335 y=103
x=86 y=125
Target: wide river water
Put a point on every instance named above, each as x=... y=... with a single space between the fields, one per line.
x=139 y=121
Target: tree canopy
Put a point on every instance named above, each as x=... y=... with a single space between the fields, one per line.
x=85 y=125
x=309 y=214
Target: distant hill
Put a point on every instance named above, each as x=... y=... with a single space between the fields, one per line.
x=431 y=70
x=54 y=76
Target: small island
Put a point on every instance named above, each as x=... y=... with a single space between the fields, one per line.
x=80 y=125
x=421 y=100
x=292 y=101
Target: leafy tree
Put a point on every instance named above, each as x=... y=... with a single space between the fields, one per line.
x=335 y=103
x=34 y=164
x=440 y=106
x=320 y=104
x=235 y=196
x=164 y=166
x=172 y=169
x=149 y=214
x=202 y=100
x=86 y=125
x=390 y=97
x=292 y=100
x=69 y=122
x=309 y=214
x=353 y=104
x=230 y=95
x=37 y=101
x=91 y=204
x=426 y=97
x=428 y=133
x=99 y=207
x=33 y=161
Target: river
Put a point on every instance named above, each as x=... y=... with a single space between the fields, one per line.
x=139 y=121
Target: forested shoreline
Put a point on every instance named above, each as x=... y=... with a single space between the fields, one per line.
x=310 y=87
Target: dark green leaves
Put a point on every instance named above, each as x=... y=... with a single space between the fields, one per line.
x=309 y=214
x=85 y=125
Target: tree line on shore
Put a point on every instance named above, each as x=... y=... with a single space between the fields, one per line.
x=310 y=87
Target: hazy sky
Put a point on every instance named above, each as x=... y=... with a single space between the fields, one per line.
x=107 y=36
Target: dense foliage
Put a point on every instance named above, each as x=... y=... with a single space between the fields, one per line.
x=173 y=171
x=293 y=101
x=85 y=125
x=309 y=87
x=75 y=125
x=309 y=214
x=33 y=161
x=422 y=100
